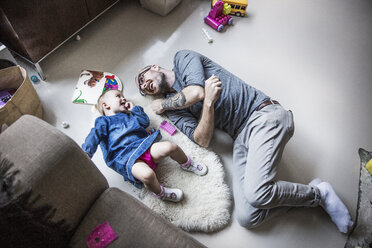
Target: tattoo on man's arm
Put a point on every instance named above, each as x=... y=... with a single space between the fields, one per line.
x=174 y=102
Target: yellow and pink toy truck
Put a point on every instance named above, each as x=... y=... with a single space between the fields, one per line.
x=238 y=7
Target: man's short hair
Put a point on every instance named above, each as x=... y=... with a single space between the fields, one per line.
x=139 y=76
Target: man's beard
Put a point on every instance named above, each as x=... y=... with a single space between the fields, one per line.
x=163 y=86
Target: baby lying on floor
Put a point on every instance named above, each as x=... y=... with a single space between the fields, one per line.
x=130 y=150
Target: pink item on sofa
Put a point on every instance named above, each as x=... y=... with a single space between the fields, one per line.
x=101 y=236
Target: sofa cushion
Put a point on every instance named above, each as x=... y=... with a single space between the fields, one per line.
x=22 y=224
x=135 y=224
x=53 y=166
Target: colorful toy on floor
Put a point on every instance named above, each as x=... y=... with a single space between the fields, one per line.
x=207 y=35
x=369 y=166
x=216 y=19
x=5 y=96
x=35 y=79
x=237 y=7
x=168 y=128
x=226 y=9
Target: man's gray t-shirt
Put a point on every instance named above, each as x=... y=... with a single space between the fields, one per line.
x=233 y=108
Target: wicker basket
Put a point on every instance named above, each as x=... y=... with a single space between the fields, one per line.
x=24 y=101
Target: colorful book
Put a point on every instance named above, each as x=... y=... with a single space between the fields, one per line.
x=92 y=84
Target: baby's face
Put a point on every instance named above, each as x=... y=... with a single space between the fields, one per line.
x=116 y=101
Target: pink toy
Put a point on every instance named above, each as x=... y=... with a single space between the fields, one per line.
x=168 y=128
x=216 y=19
x=101 y=236
x=5 y=96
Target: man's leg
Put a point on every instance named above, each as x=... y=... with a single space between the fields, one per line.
x=247 y=215
x=268 y=132
x=264 y=139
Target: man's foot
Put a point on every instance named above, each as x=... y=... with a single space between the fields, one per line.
x=333 y=205
x=169 y=194
x=197 y=168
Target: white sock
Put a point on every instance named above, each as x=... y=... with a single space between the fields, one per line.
x=335 y=208
x=315 y=182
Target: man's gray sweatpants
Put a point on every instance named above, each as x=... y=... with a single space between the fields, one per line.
x=257 y=153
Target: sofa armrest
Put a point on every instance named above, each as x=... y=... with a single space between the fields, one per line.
x=53 y=166
x=135 y=224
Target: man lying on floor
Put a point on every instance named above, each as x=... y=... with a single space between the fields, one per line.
x=200 y=95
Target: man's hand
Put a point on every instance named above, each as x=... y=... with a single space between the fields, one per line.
x=156 y=106
x=212 y=90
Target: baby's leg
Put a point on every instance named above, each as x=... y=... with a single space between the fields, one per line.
x=147 y=176
x=164 y=149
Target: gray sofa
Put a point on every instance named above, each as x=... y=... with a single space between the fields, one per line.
x=55 y=167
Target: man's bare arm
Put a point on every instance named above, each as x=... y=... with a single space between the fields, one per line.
x=174 y=102
x=204 y=131
x=181 y=100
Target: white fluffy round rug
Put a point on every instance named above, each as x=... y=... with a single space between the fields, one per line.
x=207 y=199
